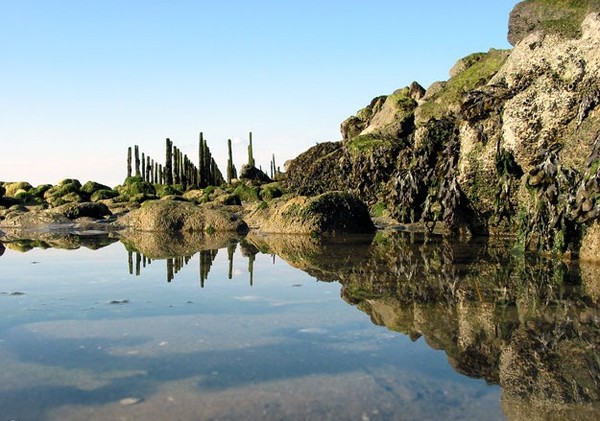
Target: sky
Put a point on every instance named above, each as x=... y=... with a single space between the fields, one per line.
x=82 y=80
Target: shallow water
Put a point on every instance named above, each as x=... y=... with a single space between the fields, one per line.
x=293 y=328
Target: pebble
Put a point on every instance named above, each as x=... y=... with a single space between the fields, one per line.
x=130 y=401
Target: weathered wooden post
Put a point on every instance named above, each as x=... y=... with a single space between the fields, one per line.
x=250 y=152
x=169 y=163
x=143 y=167
x=137 y=161
x=229 y=163
x=129 y=162
x=148 y=169
x=175 y=165
x=201 y=176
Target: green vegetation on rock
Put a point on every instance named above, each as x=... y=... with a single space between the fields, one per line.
x=483 y=67
x=271 y=191
x=565 y=16
x=365 y=144
x=247 y=193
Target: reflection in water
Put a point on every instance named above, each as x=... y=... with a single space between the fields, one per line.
x=528 y=323
x=137 y=260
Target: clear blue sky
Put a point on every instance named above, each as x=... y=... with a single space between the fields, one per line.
x=82 y=80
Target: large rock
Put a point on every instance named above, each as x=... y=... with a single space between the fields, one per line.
x=548 y=16
x=249 y=172
x=13 y=189
x=79 y=210
x=136 y=189
x=327 y=214
x=33 y=220
x=386 y=116
x=167 y=215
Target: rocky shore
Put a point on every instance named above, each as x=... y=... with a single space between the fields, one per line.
x=508 y=145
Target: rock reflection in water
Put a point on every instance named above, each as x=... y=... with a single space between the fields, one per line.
x=23 y=241
x=528 y=323
x=177 y=249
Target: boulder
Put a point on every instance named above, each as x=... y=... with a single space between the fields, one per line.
x=12 y=189
x=103 y=194
x=68 y=190
x=171 y=216
x=249 y=172
x=94 y=210
x=330 y=213
x=136 y=189
x=33 y=220
x=91 y=187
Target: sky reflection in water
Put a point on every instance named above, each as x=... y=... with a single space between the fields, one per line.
x=109 y=333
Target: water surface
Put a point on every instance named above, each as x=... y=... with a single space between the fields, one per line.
x=393 y=327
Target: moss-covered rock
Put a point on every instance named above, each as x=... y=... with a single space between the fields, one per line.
x=271 y=191
x=40 y=190
x=79 y=210
x=228 y=199
x=165 y=215
x=326 y=214
x=163 y=190
x=103 y=194
x=136 y=189
x=67 y=190
x=388 y=117
x=253 y=174
x=247 y=193
x=562 y=17
x=29 y=198
x=11 y=189
x=478 y=69
x=91 y=187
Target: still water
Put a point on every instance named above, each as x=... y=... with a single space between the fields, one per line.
x=391 y=327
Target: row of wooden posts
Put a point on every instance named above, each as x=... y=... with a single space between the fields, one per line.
x=179 y=169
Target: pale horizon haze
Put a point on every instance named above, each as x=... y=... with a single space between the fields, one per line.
x=82 y=80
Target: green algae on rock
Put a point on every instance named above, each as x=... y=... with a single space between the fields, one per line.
x=167 y=215
x=330 y=213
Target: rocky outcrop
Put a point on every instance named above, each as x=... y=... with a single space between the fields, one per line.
x=385 y=116
x=174 y=216
x=554 y=17
x=509 y=144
